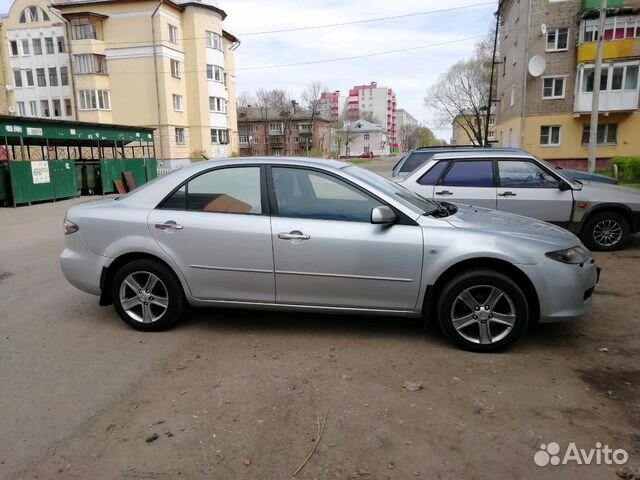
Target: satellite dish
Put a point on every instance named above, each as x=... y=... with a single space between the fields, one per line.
x=8 y=87
x=537 y=65
x=543 y=29
x=12 y=109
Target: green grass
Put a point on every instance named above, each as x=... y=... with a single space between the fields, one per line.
x=632 y=185
x=360 y=161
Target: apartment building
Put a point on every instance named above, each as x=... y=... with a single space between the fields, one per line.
x=462 y=134
x=35 y=62
x=377 y=105
x=547 y=109
x=405 y=124
x=271 y=131
x=167 y=65
x=333 y=105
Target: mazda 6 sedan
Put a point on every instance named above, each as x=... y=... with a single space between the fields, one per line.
x=322 y=236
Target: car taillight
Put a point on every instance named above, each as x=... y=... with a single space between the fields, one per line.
x=70 y=227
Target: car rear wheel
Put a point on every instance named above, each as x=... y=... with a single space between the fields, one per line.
x=148 y=296
x=482 y=310
x=606 y=231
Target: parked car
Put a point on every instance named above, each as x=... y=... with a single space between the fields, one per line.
x=517 y=182
x=416 y=158
x=367 y=155
x=322 y=236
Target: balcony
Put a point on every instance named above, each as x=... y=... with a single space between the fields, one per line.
x=595 y=4
x=618 y=101
x=244 y=141
x=613 y=49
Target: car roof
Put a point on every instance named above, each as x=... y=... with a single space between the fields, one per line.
x=296 y=161
x=485 y=153
x=467 y=148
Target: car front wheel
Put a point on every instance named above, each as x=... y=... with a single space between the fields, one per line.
x=606 y=231
x=148 y=296
x=482 y=310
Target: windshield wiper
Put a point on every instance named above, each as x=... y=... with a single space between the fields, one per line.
x=444 y=209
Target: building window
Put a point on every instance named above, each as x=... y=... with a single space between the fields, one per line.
x=67 y=107
x=180 y=136
x=14 y=48
x=550 y=136
x=83 y=29
x=33 y=14
x=64 y=76
x=215 y=72
x=48 y=44
x=557 y=39
x=177 y=102
x=244 y=139
x=37 y=46
x=17 y=78
x=53 y=76
x=29 y=74
x=623 y=77
x=44 y=108
x=504 y=66
x=41 y=76
x=94 y=100
x=57 y=111
x=173 y=34
x=607 y=134
x=33 y=108
x=214 y=40
x=553 y=87
x=25 y=47
x=175 y=68
x=366 y=136
x=217 y=104
x=21 y=110
x=89 y=63
x=61 y=45
x=219 y=136
x=512 y=98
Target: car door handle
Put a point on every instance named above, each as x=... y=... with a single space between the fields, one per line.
x=169 y=225
x=507 y=194
x=444 y=192
x=295 y=235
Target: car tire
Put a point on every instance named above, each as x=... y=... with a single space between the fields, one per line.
x=148 y=296
x=465 y=320
x=599 y=228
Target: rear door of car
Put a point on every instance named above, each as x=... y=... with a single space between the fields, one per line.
x=468 y=181
x=527 y=188
x=217 y=228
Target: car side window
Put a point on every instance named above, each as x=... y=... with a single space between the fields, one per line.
x=225 y=190
x=415 y=160
x=302 y=193
x=474 y=173
x=523 y=174
x=432 y=176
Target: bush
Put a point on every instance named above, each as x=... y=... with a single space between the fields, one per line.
x=316 y=153
x=628 y=169
x=198 y=155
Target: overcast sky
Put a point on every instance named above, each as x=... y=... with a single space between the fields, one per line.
x=409 y=73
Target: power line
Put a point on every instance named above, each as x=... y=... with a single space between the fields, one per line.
x=369 y=20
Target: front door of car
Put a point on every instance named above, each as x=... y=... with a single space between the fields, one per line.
x=217 y=229
x=528 y=189
x=469 y=182
x=328 y=253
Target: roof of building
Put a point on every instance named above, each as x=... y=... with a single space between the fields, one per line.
x=361 y=126
x=179 y=4
x=256 y=114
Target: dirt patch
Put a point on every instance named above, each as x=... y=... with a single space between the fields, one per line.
x=5 y=275
x=609 y=293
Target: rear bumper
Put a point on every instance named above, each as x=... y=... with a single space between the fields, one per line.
x=635 y=222
x=81 y=267
x=565 y=292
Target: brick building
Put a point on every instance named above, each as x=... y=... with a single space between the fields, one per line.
x=548 y=114
x=274 y=132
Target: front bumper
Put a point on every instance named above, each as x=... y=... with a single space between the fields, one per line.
x=565 y=291
x=81 y=267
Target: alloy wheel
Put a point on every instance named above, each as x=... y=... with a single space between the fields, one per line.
x=483 y=314
x=607 y=233
x=144 y=297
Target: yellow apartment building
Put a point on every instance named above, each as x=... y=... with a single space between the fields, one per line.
x=164 y=64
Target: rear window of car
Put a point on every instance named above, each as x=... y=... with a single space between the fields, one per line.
x=415 y=160
x=476 y=173
x=434 y=173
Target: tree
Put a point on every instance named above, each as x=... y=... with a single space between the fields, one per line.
x=461 y=94
x=369 y=117
x=312 y=101
x=245 y=99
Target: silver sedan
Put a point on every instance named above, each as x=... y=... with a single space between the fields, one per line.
x=322 y=236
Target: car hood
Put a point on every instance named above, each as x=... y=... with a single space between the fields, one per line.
x=505 y=224
x=606 y=193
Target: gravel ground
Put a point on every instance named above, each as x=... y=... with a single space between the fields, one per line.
x=237 y=394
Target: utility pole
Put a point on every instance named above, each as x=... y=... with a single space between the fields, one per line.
x=493 y=66
x=595 y=100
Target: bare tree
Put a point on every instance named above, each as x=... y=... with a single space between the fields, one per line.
x=369 y=117
x=245 y=99
x=262 y=102
x=312 y=101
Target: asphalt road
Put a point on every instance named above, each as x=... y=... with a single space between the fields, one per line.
x=235 y=394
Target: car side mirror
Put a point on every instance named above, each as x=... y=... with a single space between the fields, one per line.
x=383 y=215
x=564 y=186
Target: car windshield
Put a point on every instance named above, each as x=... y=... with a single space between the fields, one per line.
x=401 y=194
x=572 y=181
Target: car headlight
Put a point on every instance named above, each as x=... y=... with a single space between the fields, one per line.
x=69 y=227
x=573 y=255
